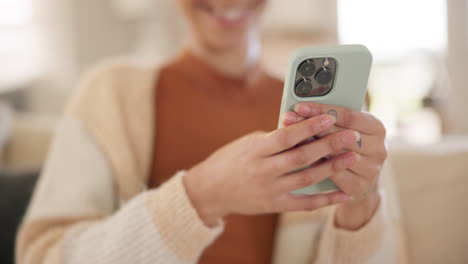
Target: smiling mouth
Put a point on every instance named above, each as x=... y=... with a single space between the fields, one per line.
x=227 y=15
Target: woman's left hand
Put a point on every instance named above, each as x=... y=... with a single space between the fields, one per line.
x=361 y=180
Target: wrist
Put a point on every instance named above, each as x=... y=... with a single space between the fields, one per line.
x=356 y=214
x=201 y=200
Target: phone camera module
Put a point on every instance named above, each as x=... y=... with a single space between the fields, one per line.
x=303 y=88
x=314 y=77
x=307 y=68
x=324 y=77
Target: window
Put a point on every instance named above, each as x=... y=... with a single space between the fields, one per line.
x=20 y=44
x=408 y=40
x=15 y=12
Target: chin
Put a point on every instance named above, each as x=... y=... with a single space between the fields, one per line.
x=225 y=43
x=222 y=47
x=222 y=25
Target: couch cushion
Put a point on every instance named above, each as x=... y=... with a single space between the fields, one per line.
x=29 y=142
x=433 y=185
x=15 y=193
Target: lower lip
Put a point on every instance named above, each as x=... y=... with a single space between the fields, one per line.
x=230 y=22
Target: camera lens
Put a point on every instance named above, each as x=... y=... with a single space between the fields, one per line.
x=324 y=76
x=307 y=68
x=303 y=88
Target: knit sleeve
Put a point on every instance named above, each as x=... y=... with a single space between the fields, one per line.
x=343 y=246
x=73 y=216
x=379 y=241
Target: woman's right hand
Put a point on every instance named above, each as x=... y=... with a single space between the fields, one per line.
x=252 y=174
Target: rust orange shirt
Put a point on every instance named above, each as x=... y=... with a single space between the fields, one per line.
x=198 y=110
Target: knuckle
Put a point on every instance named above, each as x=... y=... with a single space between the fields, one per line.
x=314 y=126
x=298 y=158
x=348 y=117
x=361 y=185
x=338 y=164
x=283 y=139
x=305 y=179
x=382 y=153
x=383 y=156
x=253 y=138
x=379 y=125
x=334 y=143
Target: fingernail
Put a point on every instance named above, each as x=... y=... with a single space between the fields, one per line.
x=349 y=138
x=333 y=113
x=328 y=121
x=305 y=109
x=358 y=135
x=302 y=109
x=348 y=198
x=288 y=118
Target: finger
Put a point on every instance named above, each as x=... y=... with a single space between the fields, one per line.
x=348 y=118
x=351 y=183
x=329 y=131
x=316 y=174
x=366 y=168
x=369 y=146
x=285 y=138
x=290 y=118
x=309 y=153
x=311 y=202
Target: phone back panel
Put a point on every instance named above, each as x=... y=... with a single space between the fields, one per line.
x=353 y=64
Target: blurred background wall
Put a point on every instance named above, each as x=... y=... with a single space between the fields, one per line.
x=418 y=87
x=77 y=34
x=418 y=84
x=424 y=52
x=458 y=65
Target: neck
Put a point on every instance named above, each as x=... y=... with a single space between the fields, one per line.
x=240 y=61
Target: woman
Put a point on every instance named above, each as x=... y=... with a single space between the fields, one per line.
x=114 y=190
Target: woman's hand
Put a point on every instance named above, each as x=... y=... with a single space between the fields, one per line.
x=251 y=175
x=361 y=179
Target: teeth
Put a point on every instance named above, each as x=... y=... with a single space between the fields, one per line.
x=232 y=13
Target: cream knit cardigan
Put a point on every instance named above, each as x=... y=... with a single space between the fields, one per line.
x=92 y=205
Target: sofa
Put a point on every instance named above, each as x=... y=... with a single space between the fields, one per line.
x=21 y=158
x=432 y=182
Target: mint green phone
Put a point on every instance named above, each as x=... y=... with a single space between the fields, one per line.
x=333 y=75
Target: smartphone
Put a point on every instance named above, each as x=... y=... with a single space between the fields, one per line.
x=333 y=75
